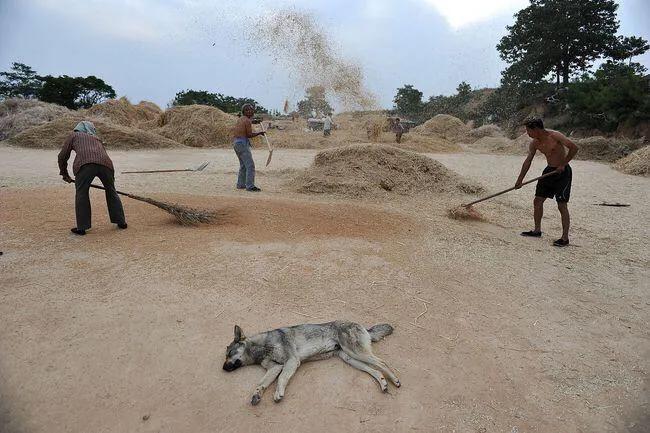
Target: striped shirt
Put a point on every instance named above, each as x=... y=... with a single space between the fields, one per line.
x=89 y=150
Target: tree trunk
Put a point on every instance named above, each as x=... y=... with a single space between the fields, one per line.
x=557 y=77
x=565 y=73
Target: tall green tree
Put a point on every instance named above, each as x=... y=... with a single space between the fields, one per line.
x=20 y=81
x=558 y=37
x=315 y=103
x=228 y=104
x=408 y=101
x=75 y=92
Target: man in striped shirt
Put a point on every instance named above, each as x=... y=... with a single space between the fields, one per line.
x=91 y=161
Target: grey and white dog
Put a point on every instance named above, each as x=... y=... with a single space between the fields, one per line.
x=282 y=350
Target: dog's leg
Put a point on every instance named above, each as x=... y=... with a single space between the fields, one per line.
x=369 y=358
x=364 y=367
x=288 y=370
x=272 y=372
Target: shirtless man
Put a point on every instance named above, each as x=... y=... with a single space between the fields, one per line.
x=552 y=144
x=241 y=135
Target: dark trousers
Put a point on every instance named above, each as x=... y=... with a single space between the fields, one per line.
x=82 y=182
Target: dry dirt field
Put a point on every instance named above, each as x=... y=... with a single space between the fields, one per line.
x=125 y=331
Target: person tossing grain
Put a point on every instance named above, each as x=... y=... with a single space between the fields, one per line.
x=91 y=161
x=559 y=150
x=242 y=133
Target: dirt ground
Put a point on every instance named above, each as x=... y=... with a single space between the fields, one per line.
x=125 y=331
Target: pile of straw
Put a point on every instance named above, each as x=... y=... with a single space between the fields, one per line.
x=371 y=169
x=18 y=115
x=197 y=126
x=444 y=126
x=54 y=133
x=600 y=148
x=489 y=130
x=636 y=163
x=122 y=112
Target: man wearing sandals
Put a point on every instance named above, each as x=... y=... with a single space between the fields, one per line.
x=552 y=144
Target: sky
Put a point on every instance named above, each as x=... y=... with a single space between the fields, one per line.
x=151 y=49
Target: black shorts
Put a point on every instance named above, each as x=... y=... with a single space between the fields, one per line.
x=557 y=186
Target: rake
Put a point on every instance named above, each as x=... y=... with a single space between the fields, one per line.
x=199 y=168
x=187 y=216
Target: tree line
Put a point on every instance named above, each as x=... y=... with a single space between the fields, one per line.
x=550 y=50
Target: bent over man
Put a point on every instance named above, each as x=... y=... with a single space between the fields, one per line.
x=91 y=161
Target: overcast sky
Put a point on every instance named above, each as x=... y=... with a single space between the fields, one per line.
x=151 y=49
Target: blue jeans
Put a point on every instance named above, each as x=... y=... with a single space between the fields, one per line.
x=246 y=177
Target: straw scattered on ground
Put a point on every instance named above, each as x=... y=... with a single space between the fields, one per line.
x=54 y=133
x=197 y=126
x=636 y=163
x=375 y=169
x=18 y=115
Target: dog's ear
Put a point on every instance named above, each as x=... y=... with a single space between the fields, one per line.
x=239 y=334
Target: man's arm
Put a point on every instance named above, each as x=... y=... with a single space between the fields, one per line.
x=249 y=130
x=526 y=165
x=64 y=155
x=573 y=148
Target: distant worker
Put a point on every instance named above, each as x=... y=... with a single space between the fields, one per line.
x=552 y=144
x=398 y=129
x=91 y=160
x=327 y=125
x=242 y=133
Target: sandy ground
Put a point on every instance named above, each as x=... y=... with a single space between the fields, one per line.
x=125 y=331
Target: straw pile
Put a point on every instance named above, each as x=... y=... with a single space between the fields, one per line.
x=17 y=115
x=600 y=148
x=197 y=126
x=489 y=130
x=122 y=112
x=54 y=133
x=370 y=169
x=444 y=126
x=636 y=163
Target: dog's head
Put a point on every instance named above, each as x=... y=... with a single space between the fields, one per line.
x=236 y=353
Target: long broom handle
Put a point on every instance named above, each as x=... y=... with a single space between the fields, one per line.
x=119 y=192
x=158 y=171
x=510 y=189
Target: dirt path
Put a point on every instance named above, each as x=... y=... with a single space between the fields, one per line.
x=494 y=332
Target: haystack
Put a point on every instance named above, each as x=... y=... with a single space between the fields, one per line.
x=17 y=115
x=636 y=163
x=197 y=126
x=606 y=149
x=122 y=112
x=489 y=130
x=444 y=126
x=372 y=169
x=54 y=133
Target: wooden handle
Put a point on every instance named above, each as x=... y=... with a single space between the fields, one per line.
x=156 y=171
x=510 y=189
x=119 y=192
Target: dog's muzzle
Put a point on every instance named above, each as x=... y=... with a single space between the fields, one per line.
x=231 y=366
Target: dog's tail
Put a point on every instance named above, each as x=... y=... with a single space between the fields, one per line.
x=379 y=331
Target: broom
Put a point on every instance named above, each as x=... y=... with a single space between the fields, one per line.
x=186 y=216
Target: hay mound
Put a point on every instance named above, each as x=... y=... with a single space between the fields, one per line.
x=636 y=163
x=122 y=112
x=17 y=115
x=197 y=126
x=54 y=133
x=371 y=169
x=489 y=130
x=606 y=149
x=444 y=126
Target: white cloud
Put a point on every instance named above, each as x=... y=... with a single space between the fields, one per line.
x=460 y=13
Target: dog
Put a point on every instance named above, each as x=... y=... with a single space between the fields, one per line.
x=281 y=351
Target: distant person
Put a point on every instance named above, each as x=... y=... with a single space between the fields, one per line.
x=552 y=144
x=398 y=129
x=327 y=125
x=91 y=160
x=242 y=133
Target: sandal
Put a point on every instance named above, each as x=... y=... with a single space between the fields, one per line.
x=561 y=243
x=532 y=234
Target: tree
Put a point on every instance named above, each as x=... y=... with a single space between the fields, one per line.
x=408 y=101
x=464 y=91
x=558 y=37
x=21 y=81
x=228 y=104
x=625 y=48
x=315 y=103
x=75 y=92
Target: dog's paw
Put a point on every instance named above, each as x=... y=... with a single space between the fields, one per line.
x=255 y=400
x=383 y=384
x=277 y=397
x=398 y=383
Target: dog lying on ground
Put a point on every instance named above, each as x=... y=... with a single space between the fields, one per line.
x=281 y=351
